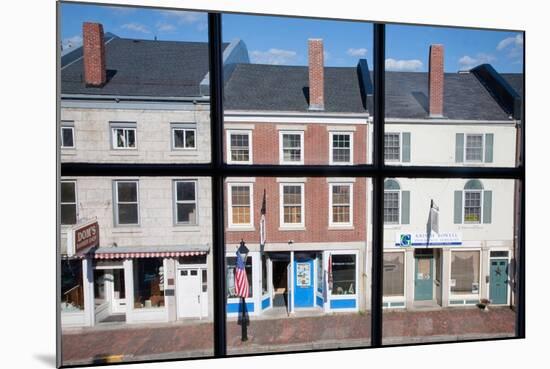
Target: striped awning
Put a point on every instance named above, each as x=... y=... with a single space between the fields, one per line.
x=127 y=252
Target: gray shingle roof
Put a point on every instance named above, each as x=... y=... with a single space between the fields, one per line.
x=285 y=88
x=145 y=68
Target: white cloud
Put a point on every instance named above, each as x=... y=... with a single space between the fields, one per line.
x=165 y=27
x=411 y=65
x=357 y=52
x=273 y=56
x=136 y=27
x=185 y=17
x=71 y=42
x=516 y=41
x=468 y=62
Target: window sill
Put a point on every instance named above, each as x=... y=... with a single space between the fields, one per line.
x=291 y=163
x=186 y=228
x=124 y=153
x=184 y=153
x=67 y=151
x=240 y=229
x=335 y=227
x=239 y=163
x=292 y=228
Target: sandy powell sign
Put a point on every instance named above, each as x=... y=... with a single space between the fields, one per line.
x=82 y=237
x=421 y=239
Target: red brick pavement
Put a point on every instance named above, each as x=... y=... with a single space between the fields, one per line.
x=89 y=345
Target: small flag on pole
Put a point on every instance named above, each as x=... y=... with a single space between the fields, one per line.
x=262 y=225
x=330 y=271
x=241 y=280
x=434 y=218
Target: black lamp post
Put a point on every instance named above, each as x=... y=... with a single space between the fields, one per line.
x=243 y=254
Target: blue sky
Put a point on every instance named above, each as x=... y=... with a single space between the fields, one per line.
x=277 y=40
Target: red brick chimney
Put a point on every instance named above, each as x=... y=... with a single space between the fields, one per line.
x=316 y=74
x=435 y=81
x=95 y=74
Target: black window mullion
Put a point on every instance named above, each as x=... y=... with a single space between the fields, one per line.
x=216 y=140
x=379 y=43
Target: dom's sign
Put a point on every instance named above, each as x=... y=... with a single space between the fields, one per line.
x=83 y=237
x=422 y=239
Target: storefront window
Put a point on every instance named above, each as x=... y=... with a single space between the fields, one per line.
x=264 y=274
x=343 y=275
x=394 y=274
x=230 y=275
x=465 y=272
x=72 y=291
x=100 y=292
x=148 y=283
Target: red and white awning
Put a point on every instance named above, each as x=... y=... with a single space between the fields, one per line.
x=133 y=255
x=135 y=252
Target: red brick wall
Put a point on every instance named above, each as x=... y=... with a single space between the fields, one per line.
x=436 y=74
x=316 y=74
x=94 y=54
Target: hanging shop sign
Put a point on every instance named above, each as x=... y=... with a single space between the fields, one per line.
x=421 y=239
x=82 y=238
x=303 y=274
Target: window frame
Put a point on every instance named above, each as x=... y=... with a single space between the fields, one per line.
x=466 y=160
x=284 y=132
x=292 y=226
x=61 y=203
x=400 y=147
x=345 y=252
x=182 y=127
x=117 y=223
x=331 y=147
x=240 y=226
x=465 y=295
x=231 y=131
x=64 y=126
x=126 y=127
x=339 y=225
x=176 y=201
x=395 y=298
x=399 y=206
x=481 y=195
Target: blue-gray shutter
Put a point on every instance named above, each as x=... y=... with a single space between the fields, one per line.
x=458 y=207
x=459 y=148
x=489 y=147
x=406 y=147
x=405 y=207
x=487 y=206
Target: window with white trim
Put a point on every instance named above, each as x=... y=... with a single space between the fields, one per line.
x=292 y=204
x=240 y=204
x=341 y=197
x=473 y=147
x=123 y=135
x=239 y=146
x=473 y=200
x=394 y=274
x=127 y=203
x=67 y=137
x=183 y=138
x=185 y=198
x=291 y=145
x=392 y=147
x=341 y=148
x=391 y=202
x=343 y=267
x=465 y=272
x=68 y=203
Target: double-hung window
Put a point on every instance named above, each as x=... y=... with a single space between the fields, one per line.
x=185 y=198
x=341 y=148
x=67 y=135
x=240 y=205
x=127 y=203
x=68 y=202
x=239 y=146
x=292 y=204
x=341 y=204
x=291 y=144
x=473 y=205
x=392 y=147
x=123 y=136
x=184 y=136
x=392 y=192
x=474 y=147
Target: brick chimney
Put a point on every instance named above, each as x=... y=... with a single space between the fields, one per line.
x=95 y=74
x=435 y=81
x=316 y=75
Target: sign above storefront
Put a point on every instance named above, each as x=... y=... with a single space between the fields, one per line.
x=82 y=237
x=434 y=240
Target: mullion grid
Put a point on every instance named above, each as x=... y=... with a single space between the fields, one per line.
x=217 y=170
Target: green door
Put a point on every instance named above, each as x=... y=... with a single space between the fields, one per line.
x=423 y=277
x=498 y=290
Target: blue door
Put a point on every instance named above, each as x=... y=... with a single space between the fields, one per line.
x=498 y=288
x=423 y=278
x=303 y=283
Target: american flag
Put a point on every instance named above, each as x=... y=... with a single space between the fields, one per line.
x=262 y=225
x=330 y=271
x=241 y=281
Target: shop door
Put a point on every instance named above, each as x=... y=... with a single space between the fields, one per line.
x=118 y=300
x=423 y=278
x=498 y=290
x=303 y=283
x=189 y=293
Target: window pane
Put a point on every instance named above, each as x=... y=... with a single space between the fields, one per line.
x=343 y=275
x=127 y=213
x=68 y=193
x=148 y=283
x=178 y=138
x=68 y=213
x=131 y=138
x=67 y=137
x=185 y=191
x=127 y=191
x=438 y=268
x=187 y=213
x=72 y=288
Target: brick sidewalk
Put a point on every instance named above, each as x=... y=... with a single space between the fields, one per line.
x=94 y=345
